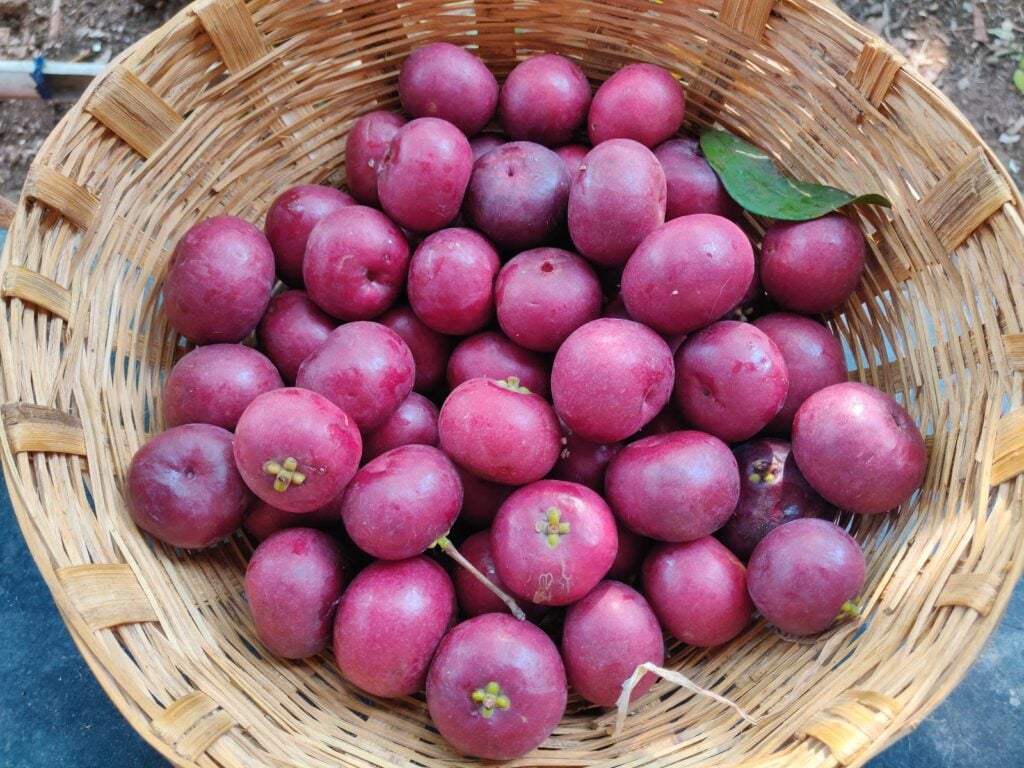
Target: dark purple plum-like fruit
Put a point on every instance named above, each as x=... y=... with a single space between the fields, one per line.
x=496 y=687
x=451 y=281
x=364 y=368
x=518 y=195
x=584 y=462
x=291 y=329
x=804 y=574
x=687 y=273
x=219 y=280
x=543 y=295
x=698 y=589
x=295 y=449
x=544 y=99
x=693 y=185
x=183 y=487
x=643 y=102
x=290 y=219
x=859 y=448
x=424 y=174
x=499 y=432
x=607 y=635
x=731 y=380
x=572 y=155
x=772 y=492
x=262 y=519
x=214 y=384
x=414 y=422
x=402 y=501
x=293 y=583
x=365 y=147
x=673 y=487
x=812 y=266
x=616 y=199
x=484 y=143
x=493 y=355
x=356 y=262
x=389 y=624
x=611 y=377
x=430 y=349
x=632 y=550
x=814 y=359
x=481 y=500
x=553 y=541
x=447 y=81
x=476 y=599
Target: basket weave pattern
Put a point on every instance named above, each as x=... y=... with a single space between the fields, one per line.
x=232 y=101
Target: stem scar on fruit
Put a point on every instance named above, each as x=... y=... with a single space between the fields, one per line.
x=490 y=698
x=285 y=474
x=553 y=526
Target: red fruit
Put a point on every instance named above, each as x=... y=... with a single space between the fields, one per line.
x=552 y=541
x=641 y=102
x=414 y=422
x=365 y=148
x=291 y=329
x=290 y=219
x=493 y=355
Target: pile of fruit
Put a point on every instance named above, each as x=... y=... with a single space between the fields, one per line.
x=560 y=363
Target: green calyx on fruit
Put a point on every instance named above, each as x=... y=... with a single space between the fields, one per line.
x=553 y=526
x=490 y=698
x=850 y=609
x=285 y=473
x=512 y=385
x=764 y=471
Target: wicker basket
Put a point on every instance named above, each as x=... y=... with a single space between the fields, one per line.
x=232 y=101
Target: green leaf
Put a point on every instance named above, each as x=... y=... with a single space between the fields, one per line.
x=1018 y=79
x=752 y=180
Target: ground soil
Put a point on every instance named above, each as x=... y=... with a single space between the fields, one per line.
x=969 y=50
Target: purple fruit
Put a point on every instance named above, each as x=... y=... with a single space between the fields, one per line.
x=430 y=349
x=674 y=487
x=262 y=519
x=731 y=380
x=291 y=329
x=611 y=377
x=499 y=432
x=484 y=143
x=584 y=462
x=687 y=273
x=496 y=687
x=693 y=185
x=356 y=262
x=572 y=155
x=183 y=487
x=772 y=492
x=363 y=368
x=214 y=384
x=553 y=541
x=492 y=355
x=474 y=598
x=859 y=448
x=451 y=281
x=517 y=195
x=698 y=589
x=481 y=500
x=401 y=502
x=607 y=635
x=219 y=281
x=804 y=574
x=295 y=449
x=544 y=99
x=293 y=583
x=616 y=199
x=447 y=81
x=414 y=422
x=543 y=295
x=812 y=266
x=424 y=174
x=814 y=359
x=365 y=148
x=389 y=624
x=290 y=219
x=643 y=102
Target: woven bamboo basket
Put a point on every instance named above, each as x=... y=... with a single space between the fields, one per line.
x=234 y=100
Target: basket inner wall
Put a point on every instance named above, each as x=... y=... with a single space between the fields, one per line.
x=260 y=96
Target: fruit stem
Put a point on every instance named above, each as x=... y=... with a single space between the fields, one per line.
x=849 y=608
x=446 y=546
x=512 y=384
